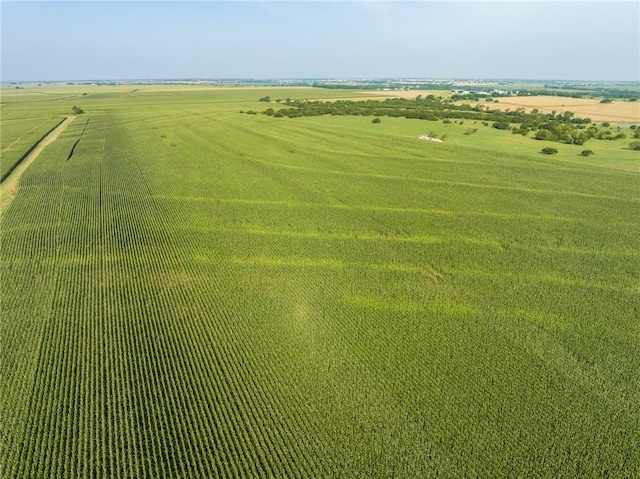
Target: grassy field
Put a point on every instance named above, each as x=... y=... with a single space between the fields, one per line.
x=195 y=292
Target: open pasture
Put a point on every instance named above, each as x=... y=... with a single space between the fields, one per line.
x=195 y=292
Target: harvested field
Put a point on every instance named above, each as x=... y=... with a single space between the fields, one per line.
x=386 y=94
x=409 y=93
x=618 y=111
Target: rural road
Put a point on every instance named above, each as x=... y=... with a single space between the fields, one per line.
x=9 y=186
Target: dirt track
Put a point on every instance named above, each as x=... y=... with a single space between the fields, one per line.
x=9 y=186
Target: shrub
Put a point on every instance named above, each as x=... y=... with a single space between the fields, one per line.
x=604 y=135
x=586 y=152
x=549 y=151
x=635 y=145
x=375 y=120
x=543 y=135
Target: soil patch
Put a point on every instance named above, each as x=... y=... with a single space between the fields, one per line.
x=430 y=138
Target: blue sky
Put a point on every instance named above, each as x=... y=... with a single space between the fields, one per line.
x=564 y=40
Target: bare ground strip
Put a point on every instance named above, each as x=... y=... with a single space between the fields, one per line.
x=9 y=186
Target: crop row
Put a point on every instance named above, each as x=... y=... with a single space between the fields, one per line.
x=250 y=333
x=19 y=137
x=135 y=395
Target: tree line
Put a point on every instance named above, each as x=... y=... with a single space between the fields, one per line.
x=562 y=127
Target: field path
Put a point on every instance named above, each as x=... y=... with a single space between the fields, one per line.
x=9 y=186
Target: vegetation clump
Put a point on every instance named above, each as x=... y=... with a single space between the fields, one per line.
x=559 y=127
x=549 y=151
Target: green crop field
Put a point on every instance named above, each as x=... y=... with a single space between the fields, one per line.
x=192 y=292
x=17 y=138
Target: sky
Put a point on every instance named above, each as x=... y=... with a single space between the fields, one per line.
x=119 y=40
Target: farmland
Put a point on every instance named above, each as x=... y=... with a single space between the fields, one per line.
x=17 y=138
x=191 y=291
x=618 y=111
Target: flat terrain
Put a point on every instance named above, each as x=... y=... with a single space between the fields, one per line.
x=191 y=291
x=10 y=184
x=18 y=136
x=408 y=93
x=617 y=111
